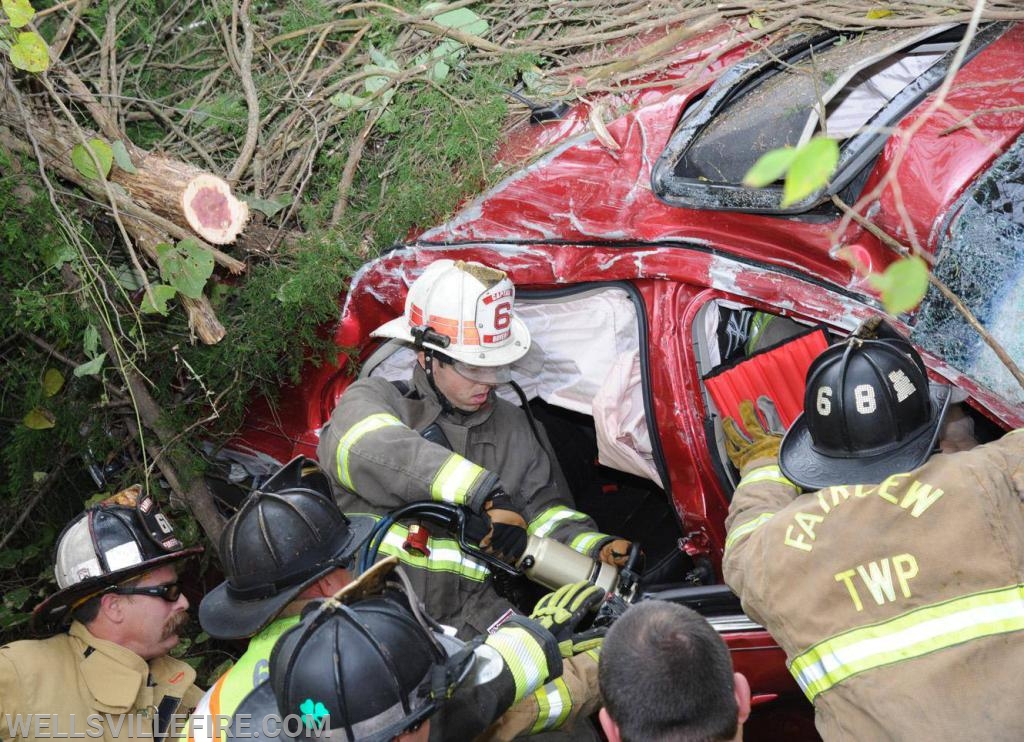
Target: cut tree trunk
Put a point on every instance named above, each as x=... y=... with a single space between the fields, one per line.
x=163 y=201
x=186 y=195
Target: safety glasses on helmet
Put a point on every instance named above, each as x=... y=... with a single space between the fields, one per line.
x=483 y=374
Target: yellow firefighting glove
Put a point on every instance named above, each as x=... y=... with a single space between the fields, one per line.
x=615 y=552
x=760 y=441
x=562 y=611
x=506 y=538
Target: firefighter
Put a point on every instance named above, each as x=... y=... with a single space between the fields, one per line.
x=287 y=544
x=445 y=436
x=367 y=665
x=894 y=583
x=107 y=676
x=666 y=674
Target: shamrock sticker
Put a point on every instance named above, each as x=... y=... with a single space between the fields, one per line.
x=313 y=713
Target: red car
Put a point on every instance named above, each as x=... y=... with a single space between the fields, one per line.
x=642 y=262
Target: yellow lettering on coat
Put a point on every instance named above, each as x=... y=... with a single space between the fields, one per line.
x=847 y=579
x=796 y=542
x=920 y=497
x=906 y=569
x=877 y=577
x=807 y=522
x=886 y=487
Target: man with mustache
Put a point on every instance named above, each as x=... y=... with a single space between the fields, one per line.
x=108 y=676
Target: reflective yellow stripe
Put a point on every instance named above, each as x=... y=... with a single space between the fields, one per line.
x=586 y=541
x=454 y=479
x=445 y=555
x=551 y=518
x=911 y=635
x=553 y=706
x=352 y=437
x=523 y=656
x=747 y=528
x=770 y=473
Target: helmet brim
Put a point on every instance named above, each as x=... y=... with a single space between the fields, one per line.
x=55 y=612
x=811 y=470
x=225 y=616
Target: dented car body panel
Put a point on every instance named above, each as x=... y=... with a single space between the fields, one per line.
x=582 y=213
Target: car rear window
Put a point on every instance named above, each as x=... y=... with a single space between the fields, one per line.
x=864 y=84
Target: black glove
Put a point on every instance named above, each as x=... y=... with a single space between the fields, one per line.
x=507 y=536
x=562 y=611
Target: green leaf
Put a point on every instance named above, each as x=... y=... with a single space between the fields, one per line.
x=186 y=266
x=347 y=101
x=769 y=167
x=59 y=254
x=84 y=164
x=902 y=285
x=755 y=20
x=91 y=341
x=16 y=598
x=90 y=368
x=53 y=380
x=463 y=19
x=19 y=12
x=30 y=52
x=127 y=278
x=876 y=13
x=266 y=205
x=155 y=300
x=39 y=419
x=381 y=63
x=122 y=158
x=810 y=170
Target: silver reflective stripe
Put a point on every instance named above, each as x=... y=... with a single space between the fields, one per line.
x=352 y=437
x=770 y=473
x=553 y=706
x=747 y=528
x=908 y=636
x=445 y=555
x=523 y=656
x=551 y=518
x=454 y=479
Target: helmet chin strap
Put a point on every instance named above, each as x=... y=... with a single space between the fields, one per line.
x=428 y=367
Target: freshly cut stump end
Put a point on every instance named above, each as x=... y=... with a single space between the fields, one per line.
x=211 y=209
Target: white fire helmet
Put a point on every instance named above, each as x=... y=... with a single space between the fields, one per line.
x=471 y=305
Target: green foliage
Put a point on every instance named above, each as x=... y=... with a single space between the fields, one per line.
x=19 y=12
x=30 y=52
x=86 y=157
x=902 y=285
x=185 y=266
x=806 y=168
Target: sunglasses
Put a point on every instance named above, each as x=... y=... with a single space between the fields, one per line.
x=170 y=592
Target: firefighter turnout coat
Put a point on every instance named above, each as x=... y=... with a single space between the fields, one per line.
x=75 y=685
x=900 y=605
x=373 y=449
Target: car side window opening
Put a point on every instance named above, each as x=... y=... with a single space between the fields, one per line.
x=726 y=333
x=582 y=377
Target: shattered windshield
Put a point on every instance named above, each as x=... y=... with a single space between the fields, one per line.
x=982 y=261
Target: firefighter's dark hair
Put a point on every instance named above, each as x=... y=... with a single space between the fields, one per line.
x=666 y=676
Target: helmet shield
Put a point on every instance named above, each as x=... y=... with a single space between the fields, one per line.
x=869 y=412
x=483 y=374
